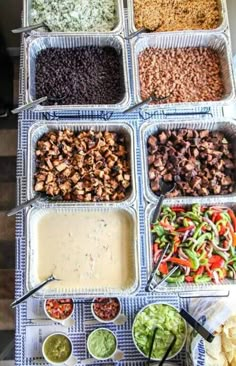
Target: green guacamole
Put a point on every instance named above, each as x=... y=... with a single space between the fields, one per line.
x=57 y=348
x=168 y=321
x=102 y=343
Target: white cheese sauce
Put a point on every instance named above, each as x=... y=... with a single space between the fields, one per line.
x=86 y=250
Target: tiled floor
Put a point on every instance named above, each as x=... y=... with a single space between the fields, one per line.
x=8 y=147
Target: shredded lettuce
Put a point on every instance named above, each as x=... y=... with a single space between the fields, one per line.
x=75 y=15
x=168 y=321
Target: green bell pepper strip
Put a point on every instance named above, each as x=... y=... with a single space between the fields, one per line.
x=198 y=230
x=221 y=254
x=193 y=258
x=202 y=279
x=176 y=279
x=192 y=216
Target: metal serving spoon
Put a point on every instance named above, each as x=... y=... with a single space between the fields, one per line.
x=35 y=103
x=31 y=292
x=164 y=188
x=31 y=27
x=39 y=197
x=152 y=98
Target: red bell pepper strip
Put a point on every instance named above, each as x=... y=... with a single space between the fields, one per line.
x=184 y=229
x=217 y=261
x=166 y=226
x=233 y=234
x=189 y=279
x=222 y=230
x=163 y=268
x=181 y=262
x=200 y=270
x=178 y=209
x=176 y=241
x=233 y=218
x=213 y=217
x=155 y=248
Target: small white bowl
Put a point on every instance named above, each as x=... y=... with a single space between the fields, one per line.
x=67 y=322
x=118 y=320
x=71 y=360
x=117 y=355
x=158 y=359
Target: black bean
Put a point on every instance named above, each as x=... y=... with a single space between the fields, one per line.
x=84 y=75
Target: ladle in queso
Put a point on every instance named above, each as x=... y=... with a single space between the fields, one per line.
x=31 y=292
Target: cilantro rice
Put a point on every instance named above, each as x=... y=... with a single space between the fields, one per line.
x=75 y=15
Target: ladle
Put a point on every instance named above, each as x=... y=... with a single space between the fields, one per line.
x=31 y=292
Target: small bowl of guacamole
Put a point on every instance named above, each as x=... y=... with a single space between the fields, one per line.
x=102 y=344
x=57 y=348
x=168 y=321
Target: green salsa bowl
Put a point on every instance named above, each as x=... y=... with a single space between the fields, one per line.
x=167 y=320
x=57 y=349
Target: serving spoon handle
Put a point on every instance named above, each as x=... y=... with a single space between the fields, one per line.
x=19 y=208
x=30 y=105
x=31 y=292
x=30 y=28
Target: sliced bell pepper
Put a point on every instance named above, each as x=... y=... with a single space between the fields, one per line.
x=233 y=218
x=202 y=278
x=216 y=261
x=180 y=261
x=189 y=279
x=155 y=248
x=178 y=209
x=233 y=234
x=163 y=268
x=200 y=270
x=177 y=279
x=184 y=229
x=193 y=258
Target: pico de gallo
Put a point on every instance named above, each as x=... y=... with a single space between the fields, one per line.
x=202 y=243
x=59 y=309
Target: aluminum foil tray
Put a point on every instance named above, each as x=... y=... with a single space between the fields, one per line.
x=33 y=45
x=147 y=129
x=221 y=27
x=27 y=6
x=38 y=129
x=217 y=42
x=32 y=221
x=187 y=289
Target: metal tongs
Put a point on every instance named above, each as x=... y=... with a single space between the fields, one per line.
x=152 y=283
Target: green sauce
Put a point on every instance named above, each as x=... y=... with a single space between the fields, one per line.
x=102 y=343
x=57 y=348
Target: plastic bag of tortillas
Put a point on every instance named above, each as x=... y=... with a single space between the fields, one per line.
x=218 y=315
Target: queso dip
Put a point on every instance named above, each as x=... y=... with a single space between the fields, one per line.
x=85 y=249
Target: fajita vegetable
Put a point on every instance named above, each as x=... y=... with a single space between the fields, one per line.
x=203 y=243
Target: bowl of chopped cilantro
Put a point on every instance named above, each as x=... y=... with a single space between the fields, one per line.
x=168 y=322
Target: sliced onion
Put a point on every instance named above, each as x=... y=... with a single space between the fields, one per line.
x=216 y=277
x=217 y=238
x=182 y=255
x=186 y=235
x=233 y=270
x=187 y=270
